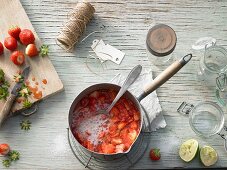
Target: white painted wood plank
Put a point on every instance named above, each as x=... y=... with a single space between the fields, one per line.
x=126 y=24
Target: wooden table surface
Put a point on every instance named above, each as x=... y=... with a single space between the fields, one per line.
x=123 y=24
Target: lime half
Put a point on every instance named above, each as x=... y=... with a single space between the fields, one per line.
x=208 y=155
x=188 y=150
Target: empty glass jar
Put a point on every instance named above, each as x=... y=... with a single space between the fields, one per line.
x=221 y=88
x=213 y=62
x=205 y=118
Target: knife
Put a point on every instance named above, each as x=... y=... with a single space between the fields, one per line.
x=13 y=95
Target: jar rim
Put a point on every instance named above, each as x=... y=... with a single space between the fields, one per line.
x=221 y=124
x=214 y=48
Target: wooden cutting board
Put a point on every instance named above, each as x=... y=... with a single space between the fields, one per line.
x=13 y=13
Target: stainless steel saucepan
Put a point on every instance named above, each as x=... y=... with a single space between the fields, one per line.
x=157 y=82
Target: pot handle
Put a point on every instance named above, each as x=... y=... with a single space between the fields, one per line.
x=165 y=75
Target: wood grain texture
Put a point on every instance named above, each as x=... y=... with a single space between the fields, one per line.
x=12 y=13
x=123 y=24
x=7 y=107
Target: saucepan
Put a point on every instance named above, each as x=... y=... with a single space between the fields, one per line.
x=157 y=82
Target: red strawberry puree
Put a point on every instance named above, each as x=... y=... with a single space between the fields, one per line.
x=111 y=133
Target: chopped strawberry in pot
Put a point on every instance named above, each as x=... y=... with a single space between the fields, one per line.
x=108 y=138
x=121 y=107
x=84 y=102
x=120 y=148
x=132 y=135
x=104 y=117
x=108 y=148
x=121 y=125
x=112 y=94
x=113 y=128
x=92 y=101
x=116 y=141
x=114 y=111
x=133 y=125
x=90 y=146
x=113 y=133
x=102 y=98
x=101 y=135
x=94 y=94
x=115 y=119
x=136 y=115
x=127 y=104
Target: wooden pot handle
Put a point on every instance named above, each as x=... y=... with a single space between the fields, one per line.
x=165 y=75
x=7 y=107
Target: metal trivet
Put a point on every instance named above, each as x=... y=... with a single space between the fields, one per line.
x=124 y=162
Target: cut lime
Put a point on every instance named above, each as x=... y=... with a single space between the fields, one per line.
x=188 y=150
x=208 y=155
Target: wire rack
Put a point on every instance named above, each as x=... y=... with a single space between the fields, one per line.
x=125 y=161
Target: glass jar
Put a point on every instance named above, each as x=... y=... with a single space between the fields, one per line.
x=206 y=119
x=221 y=88
x=160 y=42
x=212 y=63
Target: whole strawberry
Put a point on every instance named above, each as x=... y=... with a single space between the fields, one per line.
x=17 y=57
x=14 y=31
x=4 y=149
x=26 y=37
x=31 y=50
x=10 y=43
x=1 y=49
x=155 y=154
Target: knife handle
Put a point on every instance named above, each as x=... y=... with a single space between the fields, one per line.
x=7 y=107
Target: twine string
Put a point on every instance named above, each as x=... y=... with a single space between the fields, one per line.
x=76 y=25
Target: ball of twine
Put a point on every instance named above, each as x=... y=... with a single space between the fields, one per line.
x=76 y=25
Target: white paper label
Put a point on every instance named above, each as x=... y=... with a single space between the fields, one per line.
x=107 y=52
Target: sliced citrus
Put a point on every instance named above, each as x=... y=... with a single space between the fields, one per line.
x=208 y=155
x=188 y=150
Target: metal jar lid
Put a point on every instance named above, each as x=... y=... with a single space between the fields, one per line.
x=161 y=40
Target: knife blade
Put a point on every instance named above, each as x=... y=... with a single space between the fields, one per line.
x=13 y=95
x=18 y=86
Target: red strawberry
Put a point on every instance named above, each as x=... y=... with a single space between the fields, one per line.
x=84 y=102
x=26 y=37
x=1 y=49
x=4 y=149
x=108 y=148
x=132 y=135
x=121 y=125
x=155 y=154
x=17 y=57
x=133 y=125
x=14 y=31
x=120 y=148
x=31 y=50
x=116 y=141
x=10 y=43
